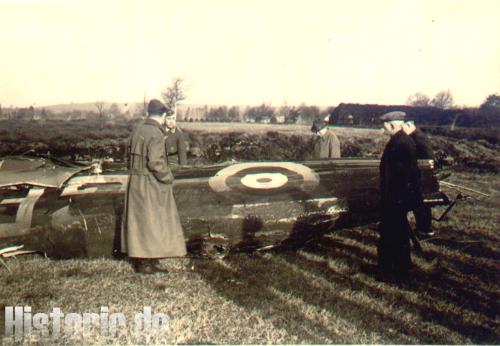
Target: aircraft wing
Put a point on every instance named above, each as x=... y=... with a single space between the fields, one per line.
x=35 y=171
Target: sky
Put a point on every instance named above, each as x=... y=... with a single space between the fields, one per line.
x=248 y=52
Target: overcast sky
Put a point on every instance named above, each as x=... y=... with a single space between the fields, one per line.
x=249 y=52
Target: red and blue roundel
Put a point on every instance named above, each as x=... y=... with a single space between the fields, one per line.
x=264 y=178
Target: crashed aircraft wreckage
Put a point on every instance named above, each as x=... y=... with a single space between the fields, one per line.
x=68 y=210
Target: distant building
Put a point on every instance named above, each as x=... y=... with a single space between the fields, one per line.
x=280 y=119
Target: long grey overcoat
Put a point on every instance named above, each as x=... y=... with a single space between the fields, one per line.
x=151 y=225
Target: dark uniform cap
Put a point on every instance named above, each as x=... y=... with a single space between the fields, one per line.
x=156 y=107
x=396 y=115
x=318 y=125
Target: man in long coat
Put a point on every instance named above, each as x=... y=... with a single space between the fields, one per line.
x=400 y=192
x=327 y=145
x=151 y=228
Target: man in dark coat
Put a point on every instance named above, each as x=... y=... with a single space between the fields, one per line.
x=400 y=192
x=151 y=224
x=423 y=215
x=175 y=143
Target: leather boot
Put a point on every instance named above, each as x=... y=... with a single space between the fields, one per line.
x=147 y=266
x=154 y=266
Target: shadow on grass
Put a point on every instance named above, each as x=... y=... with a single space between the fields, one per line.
x=263 y=278
x=441 y=287
x=247 y=285
x=273 y=284
x=473 y=243
x=464 y=289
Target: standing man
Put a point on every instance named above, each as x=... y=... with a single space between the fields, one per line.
x=175 y=144
x=151 y=228
x=400 y=192
x=423 y=216
x=327 y=145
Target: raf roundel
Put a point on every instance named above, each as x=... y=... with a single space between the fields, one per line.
x=264 y=178
x=264 y=181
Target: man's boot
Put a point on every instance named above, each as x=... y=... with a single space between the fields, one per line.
x=147 y=266
x=154 y=265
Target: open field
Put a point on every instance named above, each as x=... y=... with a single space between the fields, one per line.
x=466 y=149
x=327 y=292
x=252 y=128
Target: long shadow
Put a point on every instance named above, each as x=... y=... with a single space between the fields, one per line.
x=477 y=268
x=475 y=246
x=362 y=259
x=440 y=287
x=360 y=235
x=257 y=296
x=461 y=234
x=477 y=250
x=449 y=290
x=443 y=292
x=337 y=246
x=261 y=276
x=487 y=273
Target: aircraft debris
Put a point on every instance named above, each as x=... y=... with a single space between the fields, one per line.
x=66 y=210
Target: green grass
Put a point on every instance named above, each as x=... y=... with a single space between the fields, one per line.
x=327 y=292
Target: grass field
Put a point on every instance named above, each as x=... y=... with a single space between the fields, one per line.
x=260 y=128
x=327 y=292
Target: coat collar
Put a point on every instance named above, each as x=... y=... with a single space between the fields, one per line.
x=156 y=124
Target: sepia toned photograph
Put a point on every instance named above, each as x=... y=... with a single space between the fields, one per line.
x=249 y=172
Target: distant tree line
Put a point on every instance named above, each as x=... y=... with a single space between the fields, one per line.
x=264 y=113
x=101 y=112
x=437 y=111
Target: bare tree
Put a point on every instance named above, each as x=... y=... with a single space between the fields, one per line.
x=443 y=100
x=114 y=111
x=173 y=94
x=418 y=100
x=100 y=112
